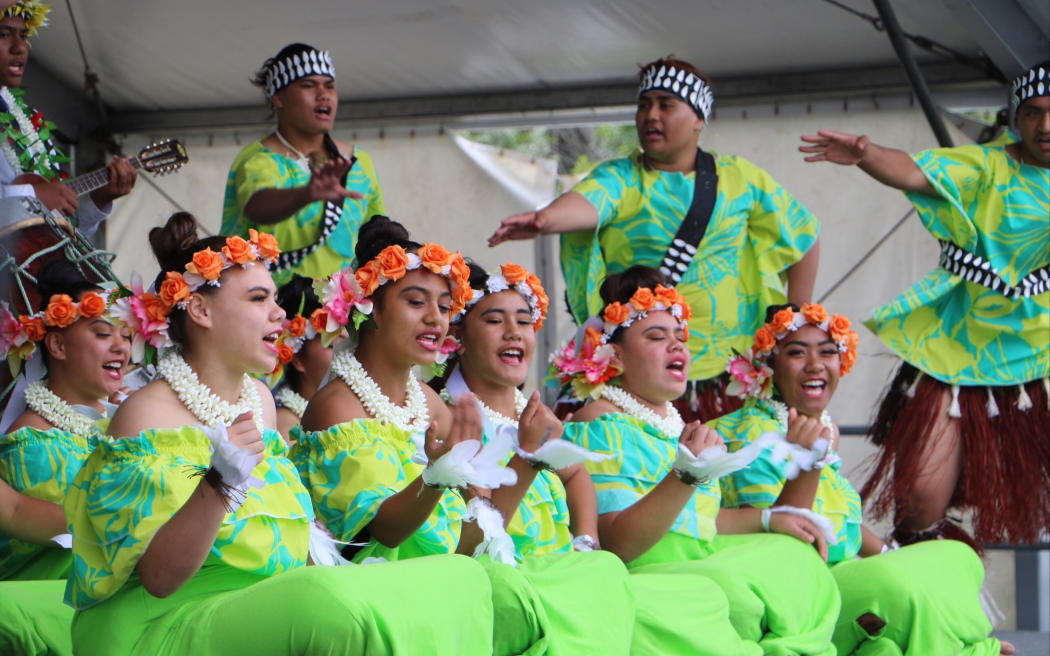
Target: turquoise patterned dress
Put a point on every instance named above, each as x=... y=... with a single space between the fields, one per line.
x=781 y=609
x=757 y=231
x=253 y=594
x=926 y=595
x=257 y=167
x=991 y=206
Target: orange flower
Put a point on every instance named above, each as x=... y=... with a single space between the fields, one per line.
x=174 y=289
x=297 y=326
x=838 y=327
x=265 y=243
x=685 y=331
x=368 y=278
x=284 y=353
x=238 y=250
x=461 y=295
x=319 y=320
x=459 y=272
x=92 y=305
x=666 y=295
x=781 y=320
x=616 y=312
x=687 y=310
x=848 y=359
x=60 y=311
x=513 y=273
x=392 y=262
x=814 y=313
x=765 y=339
x=434 y=256
x=852 y=340
x=206 y=263
x=34 y=327
x=643 y=299
x=156 y=309
x=592 y=336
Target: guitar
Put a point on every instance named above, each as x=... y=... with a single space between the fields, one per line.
x=158 y=158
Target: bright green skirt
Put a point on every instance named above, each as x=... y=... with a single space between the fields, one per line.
x=437 y=605
x=781 y=594
x=926 y=595
x=33 y=619
x=561 y=604
x=49 y=564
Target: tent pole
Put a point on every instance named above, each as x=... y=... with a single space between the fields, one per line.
x=911 y=68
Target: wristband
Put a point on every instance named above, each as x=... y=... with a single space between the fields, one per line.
x=584 y=543
x=767 y=514
x=688 y=478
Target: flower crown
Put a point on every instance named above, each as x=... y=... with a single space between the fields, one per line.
x=512 y=276
x=583 y=363
x=32 y=12
x=18 y=336
x=295 y=332
x=750 y=372
x=618 y=315
x=345 y=295
x=147 y=314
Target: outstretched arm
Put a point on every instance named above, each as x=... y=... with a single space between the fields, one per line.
x=569 y=212
x=269 y=206
x=802 y=275
x=889 y=166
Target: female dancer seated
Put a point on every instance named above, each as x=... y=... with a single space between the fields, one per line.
x=367 y=477
x=192 y=527
x=657 y=510
x=302 y=358
x=922 y=599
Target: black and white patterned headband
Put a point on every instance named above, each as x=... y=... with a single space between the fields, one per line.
x=297 y=66
x=1033 y=83
x=680 y=82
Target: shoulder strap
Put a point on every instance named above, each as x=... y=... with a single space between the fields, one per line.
x=686 y=241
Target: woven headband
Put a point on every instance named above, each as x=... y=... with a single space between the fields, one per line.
x=1033 y=83
x=283 y=72
x=680 y=82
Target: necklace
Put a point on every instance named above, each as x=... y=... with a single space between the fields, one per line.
x=56 y=411
x=198 y=398
x=294 y=401
x=781 y=411
x=27 y=137
x=301 y=159
x=497 y=418
x=413 y=417
x=671 y=425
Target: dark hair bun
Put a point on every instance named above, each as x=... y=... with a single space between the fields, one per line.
x=171 y=241
x=621 y=286
x=478 y=275
x=298 y=295
x=378 y=233
x=62 y=277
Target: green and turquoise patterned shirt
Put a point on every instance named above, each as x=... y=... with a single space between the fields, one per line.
x=759 y=484
x=40 y=464
x=353 y=467
x=130 y=487
x=258 y=167
x=959 y=332
x=641 y=458
x=757 y=231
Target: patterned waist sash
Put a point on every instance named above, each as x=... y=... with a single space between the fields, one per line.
x=979 y=271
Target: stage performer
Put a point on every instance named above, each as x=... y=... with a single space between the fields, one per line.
x=920 y=599
x=308 y=189
x=30 y=165
x=192 y=528
x=719 y=227
x=964 y=423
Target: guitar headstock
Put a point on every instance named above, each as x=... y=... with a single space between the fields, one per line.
x=163 y=156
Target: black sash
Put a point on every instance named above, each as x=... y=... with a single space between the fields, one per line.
x=686 y=241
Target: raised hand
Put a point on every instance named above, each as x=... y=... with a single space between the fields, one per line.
x=696 y=437
x=801 y=528
x=519 y=226
x=804 y=431
x=837 y=147
x=245 y=435
x=537 y=425
x=466 y=424
x=326 y=182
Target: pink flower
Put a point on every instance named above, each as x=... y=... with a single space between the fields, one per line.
x=132 y=311
x=447 y=348
x=340 y=295
x=749 y=377
x=11 y=332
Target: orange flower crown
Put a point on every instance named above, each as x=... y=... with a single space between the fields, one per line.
x=295 y=332
x=518 y=278
x=750 y=374
x=18 y=336
x=618 y=315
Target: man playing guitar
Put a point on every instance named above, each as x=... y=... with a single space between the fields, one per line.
x=37 y=174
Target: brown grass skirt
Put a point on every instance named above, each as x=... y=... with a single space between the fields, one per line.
x=1005 y=471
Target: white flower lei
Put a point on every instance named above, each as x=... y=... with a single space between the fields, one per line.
x=198 y=398
x=497 y=418
x=56 y=411
x=413 y=417
x=25 y=126
x=671 y=425
x=781 y=410
x=294 y=401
